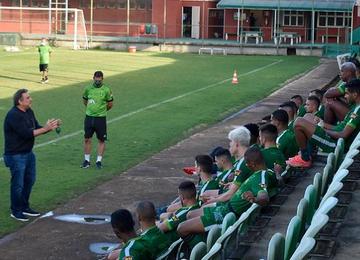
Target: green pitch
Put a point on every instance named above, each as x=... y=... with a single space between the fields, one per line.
x=158 y=100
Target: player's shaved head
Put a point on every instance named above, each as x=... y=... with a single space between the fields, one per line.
x=187 y=190
x=254 y=155
x=146 y=211
x=269 y=132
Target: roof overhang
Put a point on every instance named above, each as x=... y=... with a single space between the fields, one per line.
x=300 y=5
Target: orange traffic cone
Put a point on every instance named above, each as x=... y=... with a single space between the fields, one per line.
x=235 y=78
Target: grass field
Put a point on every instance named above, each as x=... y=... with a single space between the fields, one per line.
x=158 y=100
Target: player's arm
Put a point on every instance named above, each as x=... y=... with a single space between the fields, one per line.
x=348 y=130
x=85 y=97
x=109 y=105
x=225 y=196
x=163 y=226
x=262 y=197
x=109 y=100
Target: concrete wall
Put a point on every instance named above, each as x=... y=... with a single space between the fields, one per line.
x=183 y=48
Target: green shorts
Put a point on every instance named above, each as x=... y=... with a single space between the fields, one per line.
x=321 y=139
x=214 y=215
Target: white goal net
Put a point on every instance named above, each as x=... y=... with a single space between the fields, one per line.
x=67 y=24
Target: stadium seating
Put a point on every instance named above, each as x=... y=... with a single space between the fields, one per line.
x=198 y=251
x=339 y=152
x=168 y=254
x=276 y=247
x=301 y=212
x=304 y=248
x=317 y=185
x=292 y=237
x=213 y=235
x=228 y=221
x=310 y=196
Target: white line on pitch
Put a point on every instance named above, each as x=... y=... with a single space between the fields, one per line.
x=157 y=104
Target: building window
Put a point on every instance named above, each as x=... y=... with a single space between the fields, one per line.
x=121 y=4
x=141 y=4
x=111 y=4
x=293 y=18
x=100 y=4
x=333 y=19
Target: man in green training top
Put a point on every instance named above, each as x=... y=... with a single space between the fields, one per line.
x=187 y=195
x=44 y=51
x=98 y=99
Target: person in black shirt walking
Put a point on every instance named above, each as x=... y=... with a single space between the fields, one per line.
x=20 y=130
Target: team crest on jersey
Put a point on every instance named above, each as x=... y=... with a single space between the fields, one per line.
x=353 y=116
x=127 y=258
x=175 y=218
x=237 y=172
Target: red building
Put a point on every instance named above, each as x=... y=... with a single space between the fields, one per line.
x=250 y=21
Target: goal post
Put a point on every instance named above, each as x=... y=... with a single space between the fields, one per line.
x=67 y=24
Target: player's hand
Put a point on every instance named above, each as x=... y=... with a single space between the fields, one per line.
x=204 y=198
x=227 y=185
x=209 y=201
x=277 y=168
x=249 y=196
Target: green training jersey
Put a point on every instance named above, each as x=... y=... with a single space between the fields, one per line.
x=179 y=216
x=173 y=222
x=273 y=155
x=97 y=99
x=321 y=112
x=301 y=111
x=258 y=181
x=341 y=87
x=207 y=185
x=148 y=245
x=286 y=143
x=44 y=51
x=225 y=177
x=291 y=125
x=351 y=119
x=241 y=172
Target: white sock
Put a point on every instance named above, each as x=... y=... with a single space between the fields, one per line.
x=99 y=158
x=87 y=157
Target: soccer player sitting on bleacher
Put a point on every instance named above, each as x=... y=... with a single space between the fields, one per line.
x=224 y=163
x=335 y=107
x=285 y=141
x=187 y=195
x=123 y=226
x=150 y=243
x=312 y=105
x=208 y=185
x=274 y=158
x=325 y=135
x=319 y=94
x=291 y=109
x=253 y=190
x=239 y=143
x=298 y=100
x=254 y=133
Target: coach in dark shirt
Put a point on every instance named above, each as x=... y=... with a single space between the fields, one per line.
x=20 y=130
